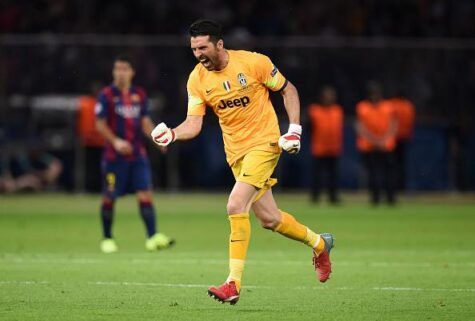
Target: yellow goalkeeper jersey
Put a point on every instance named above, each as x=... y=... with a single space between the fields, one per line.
x=239 y=96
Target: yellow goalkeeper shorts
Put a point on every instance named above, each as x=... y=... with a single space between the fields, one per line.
x=256 y=168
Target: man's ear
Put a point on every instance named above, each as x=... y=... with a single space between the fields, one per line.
x=220 y=44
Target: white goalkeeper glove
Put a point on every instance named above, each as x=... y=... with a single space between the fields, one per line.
x=162 y=135
x=290 y=142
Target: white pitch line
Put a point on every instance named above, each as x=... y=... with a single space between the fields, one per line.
x=167 y=285
x=181 y=285
x=191 y=285
x=421 y=289
x=23 y=282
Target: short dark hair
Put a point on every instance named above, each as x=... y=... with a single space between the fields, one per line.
x=125 y=58
x=204 y=27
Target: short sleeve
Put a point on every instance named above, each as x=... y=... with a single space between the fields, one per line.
x=101 y=106
x=391 y=108
x=196 y=104
x=360 y=110
x=268 y=74
x=360 y=107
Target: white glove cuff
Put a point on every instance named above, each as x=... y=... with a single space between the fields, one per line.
x=295 y=128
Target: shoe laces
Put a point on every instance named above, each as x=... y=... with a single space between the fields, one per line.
x=228 y=288
x=316 y=260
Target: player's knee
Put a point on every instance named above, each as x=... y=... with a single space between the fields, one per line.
x=235 y=206
x=144 y=196
x=107 y=208
x=107 y=202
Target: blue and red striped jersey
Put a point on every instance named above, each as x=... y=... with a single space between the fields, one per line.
x=123 y=112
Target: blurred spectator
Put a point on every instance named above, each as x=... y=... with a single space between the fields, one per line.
x=376 y=128
x=326 y=143
x=405 y=114
x=31 y=170
x=92 y=141
x=403 y=18
x=7 y=184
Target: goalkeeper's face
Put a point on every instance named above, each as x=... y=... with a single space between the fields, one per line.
x=207 y=52
x=122 y=73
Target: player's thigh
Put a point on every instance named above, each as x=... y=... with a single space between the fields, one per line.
x=141 y=175
x=266 y=210
x=115 y=177
x=144 y=195
x=257 y=168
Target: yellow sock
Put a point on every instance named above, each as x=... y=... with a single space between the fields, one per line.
x=293 y=229
x=238 y=244
x=236 y=267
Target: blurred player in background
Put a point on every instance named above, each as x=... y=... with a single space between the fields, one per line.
x=122 y=119
x=91 y=140
x=236 y=85
x=405 y=115
x=376 y=128
x=326 y=121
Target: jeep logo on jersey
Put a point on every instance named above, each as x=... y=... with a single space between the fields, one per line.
x=242 y=79
x=231 y=103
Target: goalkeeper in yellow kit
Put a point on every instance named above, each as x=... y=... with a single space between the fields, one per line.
x=236 y=85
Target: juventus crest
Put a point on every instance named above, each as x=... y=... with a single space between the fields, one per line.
x=242 y=79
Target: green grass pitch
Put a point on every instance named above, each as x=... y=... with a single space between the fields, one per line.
x=412 y=262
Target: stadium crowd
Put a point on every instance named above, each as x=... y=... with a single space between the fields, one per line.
x=407 y=18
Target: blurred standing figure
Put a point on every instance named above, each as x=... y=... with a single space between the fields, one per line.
x=376 y=128
x=326 y=143
x=404 y=111
x=91 y=139
x=123 y=119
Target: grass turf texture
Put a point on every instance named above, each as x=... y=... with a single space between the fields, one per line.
x=412 y=262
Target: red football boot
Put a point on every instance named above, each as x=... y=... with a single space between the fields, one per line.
x=322 y=263
x=225 y=293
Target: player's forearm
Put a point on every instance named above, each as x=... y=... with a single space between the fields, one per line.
x=392 y=129
x=391 y=132
x=185 y=132
x=189 y=129
x=365 y=133
x=292 y=103
x=147 y=126
x=105 y=131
